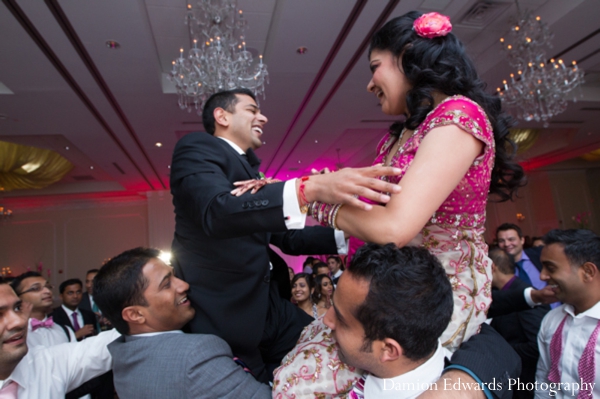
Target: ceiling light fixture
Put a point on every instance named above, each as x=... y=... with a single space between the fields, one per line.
x=158 y=144
x=112 y=44
x=218 y=59
x=539 y=91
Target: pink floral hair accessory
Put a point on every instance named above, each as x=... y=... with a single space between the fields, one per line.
x=432 y=25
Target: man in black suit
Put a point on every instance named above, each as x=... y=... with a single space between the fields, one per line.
x=520 y=329
x=221 y=240
x=87 y=300
x=82 y=321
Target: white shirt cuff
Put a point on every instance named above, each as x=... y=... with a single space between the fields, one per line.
x=341 y=242
x=528 y=299
x=294 y=219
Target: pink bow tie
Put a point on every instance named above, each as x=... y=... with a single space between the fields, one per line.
x=35 y=323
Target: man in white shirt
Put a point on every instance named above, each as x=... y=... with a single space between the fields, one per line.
x=568 y=364
x=144 y=300
x=44 y=372
x=42 y=331
x=389 y=310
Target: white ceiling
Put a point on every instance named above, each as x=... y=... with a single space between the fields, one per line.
x=110 y=107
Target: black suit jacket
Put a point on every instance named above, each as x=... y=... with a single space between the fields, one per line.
x=221 y=241
x=520 y=330
x=491 y=358
x=85 y=302
x=61 y=317
x=534 y=256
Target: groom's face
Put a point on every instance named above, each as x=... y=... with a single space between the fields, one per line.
x=247 y=123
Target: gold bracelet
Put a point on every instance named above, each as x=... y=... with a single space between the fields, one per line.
x=334 y=217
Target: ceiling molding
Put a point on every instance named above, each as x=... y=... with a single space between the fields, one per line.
x=337 y=45
x=69 y=31
x=385 y=14
x=62 y=70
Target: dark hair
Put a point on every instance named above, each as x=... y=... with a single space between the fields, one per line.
x=223 y=99
x=338 y=260
x=317 y=293
x=509 y=226
x=503 y=261
x=121 y=283
x=92 y=271
x=16 y=283
x=442 y=64
x=580 y=246
x=409 y=299
x=307 y=277
x=318 y=265
x=308 y=261
x=71 y=281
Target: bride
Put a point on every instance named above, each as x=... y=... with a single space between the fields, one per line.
x=452 y=150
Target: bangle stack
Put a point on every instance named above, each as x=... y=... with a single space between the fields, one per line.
x=325 y=214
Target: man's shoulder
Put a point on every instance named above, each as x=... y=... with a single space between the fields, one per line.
x=533 y=253
x=86 y=313
x=518 y=285
x=195 y=137
x=173 y=341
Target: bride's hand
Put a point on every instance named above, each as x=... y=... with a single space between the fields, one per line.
x=347 y=185
x=254 y=185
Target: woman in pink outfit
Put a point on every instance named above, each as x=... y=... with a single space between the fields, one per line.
x=452 y=150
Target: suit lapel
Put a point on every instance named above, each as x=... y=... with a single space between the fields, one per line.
x=246 y=164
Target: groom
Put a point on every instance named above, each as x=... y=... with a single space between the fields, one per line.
x=221 y=240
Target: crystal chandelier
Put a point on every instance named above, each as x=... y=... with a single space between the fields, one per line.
x=218 y=59
x=540 y=89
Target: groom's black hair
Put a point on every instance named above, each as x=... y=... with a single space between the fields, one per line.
x=223 y=99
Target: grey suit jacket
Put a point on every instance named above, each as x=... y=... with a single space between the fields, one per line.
x=179 y=366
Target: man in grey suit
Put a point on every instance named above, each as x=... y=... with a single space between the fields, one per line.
x=142 y=298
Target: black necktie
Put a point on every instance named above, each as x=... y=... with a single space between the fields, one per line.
x=252 y=159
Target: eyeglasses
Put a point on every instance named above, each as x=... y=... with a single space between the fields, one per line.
x=37 y=288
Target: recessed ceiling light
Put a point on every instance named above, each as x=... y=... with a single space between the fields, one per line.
x=299 y=161
x=112 y=44
x=158 y=144
x=316 y=141
x=67 y=148
x=91 y=167
x=301 y=50
x=264 y=142
x=169 y=166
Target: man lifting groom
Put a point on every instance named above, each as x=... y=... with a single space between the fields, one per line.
x=221 y=240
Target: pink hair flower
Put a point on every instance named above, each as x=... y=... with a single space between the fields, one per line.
x=432 y=25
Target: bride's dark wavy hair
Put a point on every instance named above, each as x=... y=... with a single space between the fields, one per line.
x=441 y=64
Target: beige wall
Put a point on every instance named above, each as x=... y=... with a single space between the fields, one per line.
x=69 y=238
x=549 y=201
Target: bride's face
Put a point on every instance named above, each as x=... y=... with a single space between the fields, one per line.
x=388 y=82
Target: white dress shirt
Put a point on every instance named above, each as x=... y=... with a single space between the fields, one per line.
x=409 y=385
x=54 y=371
x=48 y=336
x=69 y=313
x=294 y=219
x=576 y=334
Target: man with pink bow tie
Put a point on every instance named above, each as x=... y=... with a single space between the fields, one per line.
x=42 y=331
